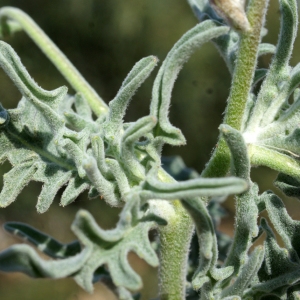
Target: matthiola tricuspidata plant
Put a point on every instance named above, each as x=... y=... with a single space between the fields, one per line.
x=78 y=143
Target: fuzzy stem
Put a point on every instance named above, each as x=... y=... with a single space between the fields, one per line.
x=262 y=156
x=176 y=236
x=175 y=241
x=241 y=85
x=62 y=63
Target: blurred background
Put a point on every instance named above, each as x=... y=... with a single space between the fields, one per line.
x=104 y=39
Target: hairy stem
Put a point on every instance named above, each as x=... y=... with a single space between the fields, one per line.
x=263 y=156
x=175 y=241
x=62 y=63
x=175 y=237
x=241 y=85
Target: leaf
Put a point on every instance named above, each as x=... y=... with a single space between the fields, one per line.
x=22 y=258
x=36 y=141
x=34 y=138
x=132 y=134
x=208 y=248
x=44 y=242
x=156 y=189
x=266 y=108
x=287 y=228
x=98 y=248
x=239 y=152
x=248 y=272
x=134 y=79
x=266 y=48
x=277 y=268
x=288 y=185
x=164 y=82
x=245 y=229
x=277 y=261
x=207 y=240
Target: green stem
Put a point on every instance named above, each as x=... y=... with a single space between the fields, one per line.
x=176 y=236
x=175 y=241
x=240 y=87
x=262 y=156
x=61 y=62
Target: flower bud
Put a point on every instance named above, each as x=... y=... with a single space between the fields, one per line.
x=233 y=12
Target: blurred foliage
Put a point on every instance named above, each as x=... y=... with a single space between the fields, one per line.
x=104 y=39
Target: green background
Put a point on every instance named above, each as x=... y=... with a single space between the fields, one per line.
x=104 y=39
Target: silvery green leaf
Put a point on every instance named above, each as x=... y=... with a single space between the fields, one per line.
x=81 y=117
x=11 y=64
x=245 y=229
x=78 y=123
x=124 y=294
x=82 y=107
x=295 y=78
x=22 y=258
x=14 y=181
x=265 y=48
x=278 y=273
x=75 y=187
x=289 y=185
x=104 y=187
x=248 y=110
x=119 y=176
x=35 y=141
x=164 y=82
x=227 y=45
x=278 y=71
x=112 y=248
x=207 y=240
x=277 y=261
x=97 y=248
x=155 y=189
x=132 y=82
x=247 y=273
x=132 y=134
x=239 y=154
x=287 y=228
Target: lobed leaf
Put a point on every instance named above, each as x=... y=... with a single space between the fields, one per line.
x=265 y=108
x=34 y=139
x=287 y=228
x=96 y=247
x=288 y=185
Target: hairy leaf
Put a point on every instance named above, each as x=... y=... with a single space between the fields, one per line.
x=97 y=248
x=289 y=185
x=277 y=268
x=163 y=85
